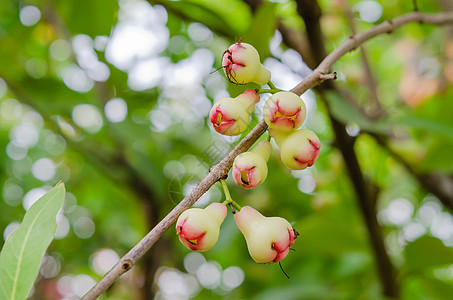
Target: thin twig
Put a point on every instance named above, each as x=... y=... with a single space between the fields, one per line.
x=222 y=168
x=356 y=40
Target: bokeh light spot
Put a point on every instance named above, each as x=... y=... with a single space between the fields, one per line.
x=209 y=274
x=115 y=110
x=232 y=277
x=12 y=193
x=32 y=196
x=84 y=227
x=63 y=227
x=60 y=50
x=29 y=15
x=50 y=266
x=87 y=117
x=44 y=169
x=103 y=260
x=10 y=228
x=192 y=261
x=369 y=11
x=76 y=79
x=10 y=109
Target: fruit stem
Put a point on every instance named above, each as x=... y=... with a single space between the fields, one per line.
x=271 y=91
x=271 y=85
x=229 y=200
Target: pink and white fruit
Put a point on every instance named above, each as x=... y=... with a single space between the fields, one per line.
x=230 y=116
x=298 y=149
x=198 y=229
x=250 y=168
x=241 y=63
x=284 y=111
x=268 y=238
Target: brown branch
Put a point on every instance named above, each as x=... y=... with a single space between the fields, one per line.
x=134 y=181
x=222 y=168
x=116 y=167
x=366 y=199
x=218 y=171
x=358 y=39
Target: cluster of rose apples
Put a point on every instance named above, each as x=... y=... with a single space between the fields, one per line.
x=268 y=238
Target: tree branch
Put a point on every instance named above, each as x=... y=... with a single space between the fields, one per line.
x=222 y=168
x=311 y=14
x=116 y=167
x=218 y=171
x=358 y=39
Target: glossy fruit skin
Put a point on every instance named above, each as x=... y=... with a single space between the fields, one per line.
x=198 y=229
x=284 y=111
x=250 y=168
x=230 y=116
x=241 y=63
x=268 y=238
x=298 y=149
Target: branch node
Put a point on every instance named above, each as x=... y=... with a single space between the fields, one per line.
x=390 y=22
x=324 y=77
x=127 y=264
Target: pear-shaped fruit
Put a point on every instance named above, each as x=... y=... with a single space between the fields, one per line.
x=298 y=149
x=230 y=116
x=241 y=63
x=198 y=229
x=250 y=168
x=284 y=111
x=268 y=238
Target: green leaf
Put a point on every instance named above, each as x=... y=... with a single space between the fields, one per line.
x=88 y=17
x=347 y=114
x=262 y=29
x=21 y=255
x=429 y=125
x=213 y=17
x=426 y=287
x=427 y=252
x=324 y=234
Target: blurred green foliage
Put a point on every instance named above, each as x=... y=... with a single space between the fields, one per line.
x=62 y=63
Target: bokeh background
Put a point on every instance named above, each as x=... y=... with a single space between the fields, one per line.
x=112 y=97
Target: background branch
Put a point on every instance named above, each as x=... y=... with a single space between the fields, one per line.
x=311 y=13
x=377 y=110
x=438 y=184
